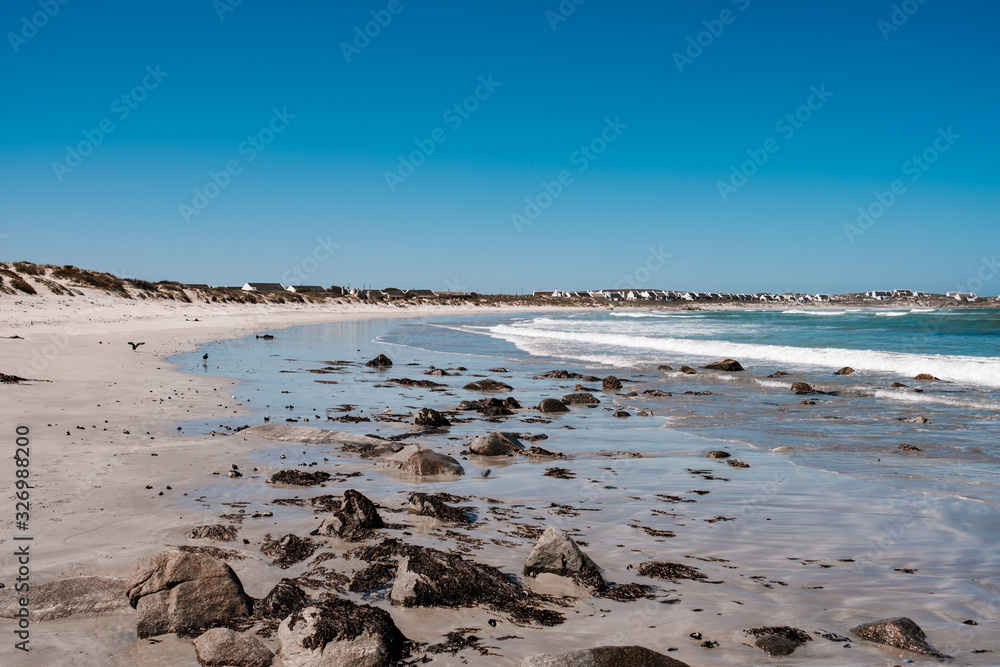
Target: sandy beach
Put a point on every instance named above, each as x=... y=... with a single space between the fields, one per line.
x=115 y=481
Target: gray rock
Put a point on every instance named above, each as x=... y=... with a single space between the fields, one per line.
x=428 y=417
x=900 y=632
x=417 y=460
x=67 y=597
x=730 y=365
x=222 y=647
x=488 y=385
x=611 y=383
x=555 y=552
x=605 y=656
x=496 y=444
x=552 y=405
x=175 y=591
x=718 y=454
x=354 y=521
x=339 y=633
x=580 y=399
x=776 y=645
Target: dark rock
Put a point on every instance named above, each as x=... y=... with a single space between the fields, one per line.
x=927 y=377
x=216 y=532
x=909 y=448
x=552 y=405
x=687 y=370
x=374 y=576
x=408 y=382
x=664 y=367
x=672 y=571
x=605 y=656
x=381 y=361
x=567 y=375
x=898 y=385
x=803 y=388
x=433 y=505
x=496 y=444
x=356 y=519
x=846 y=370
x=430 y=418
x=496 y=370
x=511 y=403
x=494 y=407
x=339 y=632
x=184 y=593
x=611 y=383
x=900 y=632
x=778 y=374
x=466 y=406
x=555 y=552
x=776 y=645
x=222 y=647
x=580 y=399
x=439 y=372
x=718 y=454
x=287 y=551
x=656 y=393
x=298 y=477
x=621 y=414
x=735 y=463
x=488 y=385
x=284 y=599
x=730 y=365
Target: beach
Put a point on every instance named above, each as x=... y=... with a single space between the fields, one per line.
x=772 y=541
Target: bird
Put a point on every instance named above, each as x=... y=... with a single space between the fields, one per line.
x=135 y=345
x=205 y=356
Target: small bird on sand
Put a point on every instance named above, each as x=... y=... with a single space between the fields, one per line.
x=205 y=356
x=135 y=345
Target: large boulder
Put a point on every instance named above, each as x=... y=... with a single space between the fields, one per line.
x=181 y=592
x=381 y=361
x=730 y=365
x=900 y=632
x=496 y=444
x=430 y=418
x=222 y=647
x=356 y=519
x=433 y=505
x=67 y=597
x=488 y=385
x=582 y=398
x=605 y=656
x=557 y=553
x=339 y=633
x=552 y=405
x=611 y=383
x=417 y=460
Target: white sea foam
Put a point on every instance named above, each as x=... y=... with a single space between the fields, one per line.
x=826 y=313
x=892 y=313
x=973 y=370
x=924 y=397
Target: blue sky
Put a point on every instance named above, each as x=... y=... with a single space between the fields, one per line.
x=643 y=108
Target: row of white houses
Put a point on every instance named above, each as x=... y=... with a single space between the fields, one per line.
x=670 y=295
x=389 y=293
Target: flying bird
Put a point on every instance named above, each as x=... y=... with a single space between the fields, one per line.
x=135 y=345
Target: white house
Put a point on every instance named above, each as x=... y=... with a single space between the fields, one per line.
x=822 y=297
x=902 y=292
x=264 y=287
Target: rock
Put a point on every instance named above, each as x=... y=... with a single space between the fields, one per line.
x=222 y=647
x=846 y=370
x=494 y=407
x=432 y=505
x=919 y=419
x=567 y=375
x=488 y=385
x=439 y=372
x=181 y=592
x=339 y=633
x=718 y=454
x=611 y=383
x=605 y=656
x=381 y=361
x=417 y=460
x=298 y=477
x=289 y=550
x=656 y=393
x=216 y=532
x=555 y=552
x=730 y=365
x=927 y=377
x=496 y=444
x=67 y=597
x=909 y=448
x=900 y=632
x=580 y=399
x=285 y=598
x=430 y=418
x=496 y=370
x=898 y=385
x=778 y=374
x=552 y=405
x=776 y=645
x=466 y=406
x=664 y=367
x=687 y=370
x=802 y=388
x=621 y=414
x=356 y=519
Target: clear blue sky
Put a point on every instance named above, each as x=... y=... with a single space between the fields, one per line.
x=887 y=95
